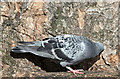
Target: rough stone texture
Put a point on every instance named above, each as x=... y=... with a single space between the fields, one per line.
x=92 y=20
x=36 y=21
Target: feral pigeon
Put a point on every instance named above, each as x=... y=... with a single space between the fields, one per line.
x=68 y=49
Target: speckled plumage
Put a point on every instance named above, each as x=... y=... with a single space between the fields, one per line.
x=69 y=49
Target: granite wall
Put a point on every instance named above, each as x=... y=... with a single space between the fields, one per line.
x=33 y=21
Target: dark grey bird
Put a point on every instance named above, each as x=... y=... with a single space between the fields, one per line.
x=68 y=49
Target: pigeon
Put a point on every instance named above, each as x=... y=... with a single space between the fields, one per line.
x=69 y=49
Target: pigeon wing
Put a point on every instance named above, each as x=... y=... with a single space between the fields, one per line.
x=71 y=46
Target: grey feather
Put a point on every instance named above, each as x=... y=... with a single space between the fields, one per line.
x=69 y=49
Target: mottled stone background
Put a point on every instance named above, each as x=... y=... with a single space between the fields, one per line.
x=33 y=21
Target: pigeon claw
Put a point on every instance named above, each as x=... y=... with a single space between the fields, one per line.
x=75 y=72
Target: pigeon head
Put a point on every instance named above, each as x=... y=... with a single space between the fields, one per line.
x=100 y=48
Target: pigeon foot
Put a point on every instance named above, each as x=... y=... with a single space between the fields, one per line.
x=75 y=72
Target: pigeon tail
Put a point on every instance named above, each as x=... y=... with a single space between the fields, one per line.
x=19 y=49
x=35 y=48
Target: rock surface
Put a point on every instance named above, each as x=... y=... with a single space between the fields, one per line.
x=38 y=20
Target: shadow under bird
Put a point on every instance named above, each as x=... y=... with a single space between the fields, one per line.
x=68 y=49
